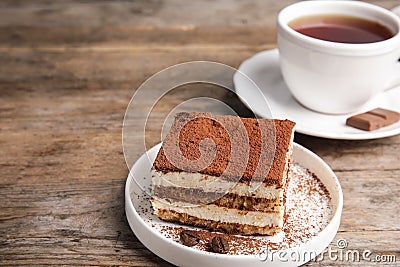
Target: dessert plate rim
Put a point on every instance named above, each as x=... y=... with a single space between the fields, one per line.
x=263 y=69
x=181 y=255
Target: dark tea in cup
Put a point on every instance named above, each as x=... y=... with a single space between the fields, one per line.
x=341 y=29
x=351 y=57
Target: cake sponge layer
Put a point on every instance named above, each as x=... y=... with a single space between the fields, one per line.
x=216 y=218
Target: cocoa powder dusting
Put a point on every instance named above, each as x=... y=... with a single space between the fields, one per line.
x=265 y=141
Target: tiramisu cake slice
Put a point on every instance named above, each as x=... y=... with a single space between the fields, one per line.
x=224 y=173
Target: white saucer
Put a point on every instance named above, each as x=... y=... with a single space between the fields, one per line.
x=146 y=226
x=263 y=69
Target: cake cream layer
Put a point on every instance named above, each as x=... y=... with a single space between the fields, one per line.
x=208 y=183
x=222 y=214
x=198 y=197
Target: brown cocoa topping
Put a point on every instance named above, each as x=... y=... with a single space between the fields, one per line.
x=268 y=143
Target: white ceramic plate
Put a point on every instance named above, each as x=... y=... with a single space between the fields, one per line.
x=146 y=226
x=263 y=69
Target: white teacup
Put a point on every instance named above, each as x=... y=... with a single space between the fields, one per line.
x=333 y=77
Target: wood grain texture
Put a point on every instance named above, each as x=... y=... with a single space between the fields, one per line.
x=68 y=70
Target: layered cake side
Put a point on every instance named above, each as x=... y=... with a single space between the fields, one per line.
x=241 y=190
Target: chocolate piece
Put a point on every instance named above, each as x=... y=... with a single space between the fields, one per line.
x=189 y=238
x=373 y=119
x=219 y=245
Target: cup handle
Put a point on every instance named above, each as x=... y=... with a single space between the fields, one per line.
x=396 y=10
x=396 y=81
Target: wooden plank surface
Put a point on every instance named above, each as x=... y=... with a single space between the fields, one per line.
x=67 y=72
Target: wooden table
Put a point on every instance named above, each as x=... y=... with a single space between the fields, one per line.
x=67 y=72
